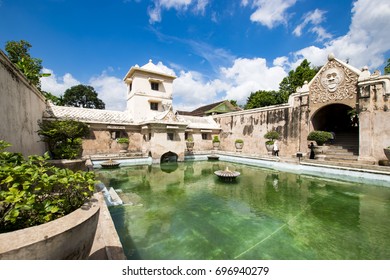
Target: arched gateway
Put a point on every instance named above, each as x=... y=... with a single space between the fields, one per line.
x=333 y=100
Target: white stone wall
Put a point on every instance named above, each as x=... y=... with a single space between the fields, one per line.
x=141 y=94
x=21 y=106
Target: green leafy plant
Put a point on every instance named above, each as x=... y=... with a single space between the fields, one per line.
x=190 y=139
x=271 y=136
x=123 y=140
x=216 y=139
x=319 y=136
x=32 y=192
x=239 y=141
x=63 y=137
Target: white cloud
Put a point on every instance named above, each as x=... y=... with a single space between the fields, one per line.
x=111 y=90
x=191 y=90
x=280 y=61
x=244 y=3
x=155 y=11
x=249 y=75
x=57 y=85
x=366 y=42
x=314 y=18
x=270 y=13
x=235 y=82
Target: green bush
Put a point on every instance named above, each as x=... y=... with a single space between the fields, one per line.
x=123 y=140
x=63 y=137
x=239 y=141
x=216 y=139
x=32 y=192
x=190 y=139
x=271 y=136
x=319 y=136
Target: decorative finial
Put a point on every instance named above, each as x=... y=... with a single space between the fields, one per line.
x=331 y=56
x=150 y=61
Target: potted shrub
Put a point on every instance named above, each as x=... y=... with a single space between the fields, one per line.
x=216 y=142
x=190 y=144
x=271 y=135
x=63 y=137
x=321 y=137
x=123 y=144
x=239 y=143
x=40 y=209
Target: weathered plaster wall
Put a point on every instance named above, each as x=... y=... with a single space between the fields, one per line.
x=21 y=106
x=374 y=106
x=159 y=144
x=100 y=140
x=251 y=125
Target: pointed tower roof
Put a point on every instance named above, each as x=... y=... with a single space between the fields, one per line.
x=149 y=67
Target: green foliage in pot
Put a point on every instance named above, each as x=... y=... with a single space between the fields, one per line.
x=63 y=137
x=190 y=139
x=216 y=139
x=319 y=136
x=271 y=136
x=123 y=140
x=239 y=141
x=32 y=192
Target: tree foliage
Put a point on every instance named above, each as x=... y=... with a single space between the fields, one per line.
x=82 y=96
x=263 y=98
x=287 y=86
x=54 y=99
x=18 y=53
x=63 y=137
x=32 y=192
x=387 y=67
x=296 y=78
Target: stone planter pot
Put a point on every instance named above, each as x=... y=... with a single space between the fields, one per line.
x=239 y=146
x=72 y=164
x=67 y=238
x=216 y=145
x=387 y=153
x=190 y=146
x=320 y=152
x=123 y=147
x=270 y=148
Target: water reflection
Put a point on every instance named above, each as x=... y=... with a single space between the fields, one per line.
x=189 y=214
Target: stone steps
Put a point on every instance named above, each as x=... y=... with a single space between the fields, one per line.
x=345 y=148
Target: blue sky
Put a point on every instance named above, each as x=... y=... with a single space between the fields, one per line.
x=218 y=49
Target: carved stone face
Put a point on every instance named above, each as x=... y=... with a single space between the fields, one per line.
x=331 y=79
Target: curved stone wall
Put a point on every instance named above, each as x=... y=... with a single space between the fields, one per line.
x=70 y=237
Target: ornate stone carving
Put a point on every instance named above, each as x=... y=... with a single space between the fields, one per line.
x=170 y=117
x=335 y=83
x=364 y=91
x=331 y=79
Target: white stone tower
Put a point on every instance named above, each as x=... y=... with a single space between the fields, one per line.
x=149 y=91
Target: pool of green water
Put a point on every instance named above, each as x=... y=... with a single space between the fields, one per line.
x=185 y=212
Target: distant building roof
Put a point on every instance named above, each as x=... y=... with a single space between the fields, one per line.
x=211 y=109
x=115 y=117
x=195 y=122
x=87 y=115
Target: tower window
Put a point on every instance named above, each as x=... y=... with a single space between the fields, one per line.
x=170 y=136
x=154 y=106
x=154 y=85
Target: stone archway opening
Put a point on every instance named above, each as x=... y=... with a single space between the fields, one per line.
x=169 y=157
x=339 y=118
x=334 y=117
x=168 y=162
